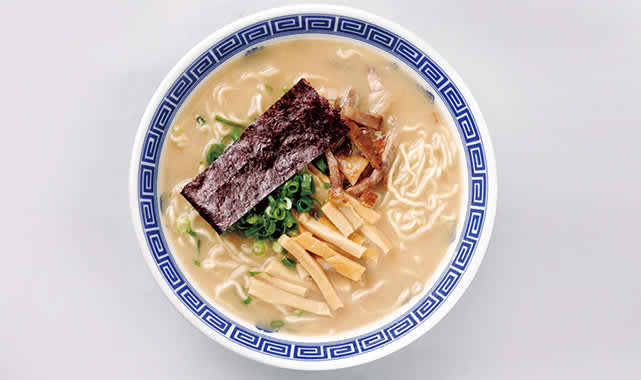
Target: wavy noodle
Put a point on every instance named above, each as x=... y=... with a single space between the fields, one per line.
x=180 y=140
x=262 y=73
x=255 y=105
x=233 y=283
x=307 y=317
x=414 y=201
x=360 y=293
x=348 y=53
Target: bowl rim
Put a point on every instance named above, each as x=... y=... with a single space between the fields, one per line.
x=481 y=243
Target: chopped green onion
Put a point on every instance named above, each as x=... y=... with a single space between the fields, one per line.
x=304 y=204
x=290 y=221
x=247 y=300
x=258 y=247
x=198 y=244
x=197 y=263
x=268 y=87
x=227 y=140
x=286 y=203
x=215 y=150
x=235 y=134
x=276 y=247
x=176 y=128
x=252 y=274
x=191 y=232
x=182 y=223
x=288 y=262
x=327 y=185
x=279 y=213
x=285 y=89
x=200 y=120
x=276 y=324
x=292 y=232
x=252 y=219
x=321 y=164
x=307 y=185
x=291 y=187
x=229 y=122
x=299 y=313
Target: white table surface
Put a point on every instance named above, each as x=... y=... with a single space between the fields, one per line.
x=558 y=295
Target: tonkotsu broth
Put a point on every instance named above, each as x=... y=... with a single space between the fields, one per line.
x=420 y=210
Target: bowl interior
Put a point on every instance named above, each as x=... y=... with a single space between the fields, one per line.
x=376 y=339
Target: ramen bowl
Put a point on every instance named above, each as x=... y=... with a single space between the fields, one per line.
x=455 y=271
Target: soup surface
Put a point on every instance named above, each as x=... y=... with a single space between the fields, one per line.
x=419 y=200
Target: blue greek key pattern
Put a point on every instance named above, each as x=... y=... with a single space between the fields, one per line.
x=249 y=38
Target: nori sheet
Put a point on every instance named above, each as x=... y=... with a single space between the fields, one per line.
x=296 y=129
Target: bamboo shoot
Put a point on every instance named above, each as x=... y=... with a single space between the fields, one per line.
x=312 y=267
x=273 y=295
x=331 y=236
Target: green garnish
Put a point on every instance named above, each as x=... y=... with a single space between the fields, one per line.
x=273 y=216
x=183 y=224
x=229 y=122
x=227 y=140
x=268 y=87
x=200 y=120
x=291 y=187
x=247 y=300
x=276 y=324
x=197 y=263
x=285 y=89
x=276 y=247
x=191 y=232
x=252 y=274
x=258 y=247
x=327 y=185
x=177 y=128
x=321 y=164
x=304 y=204
x=307 y=185
x=288 y=262
x=215 y=150
x=235 y=134
x=198 y=245
x=299 y=313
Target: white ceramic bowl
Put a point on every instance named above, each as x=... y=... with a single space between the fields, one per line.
x=457 y=268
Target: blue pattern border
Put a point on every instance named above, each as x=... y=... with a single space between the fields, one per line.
x=336 y=25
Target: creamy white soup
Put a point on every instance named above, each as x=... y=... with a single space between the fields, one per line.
x=384 y=242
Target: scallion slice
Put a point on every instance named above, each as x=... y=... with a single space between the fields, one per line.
x=247 y=300
x=235 y=134
x=288 y=262
x=227 y=140
x=276 y=324
x=307 y=185
x=258 y=247
x=200 y=120
x=182 y=223
x=321 y=164
x=229 y=122
x=291 y=187
x=304 y=204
